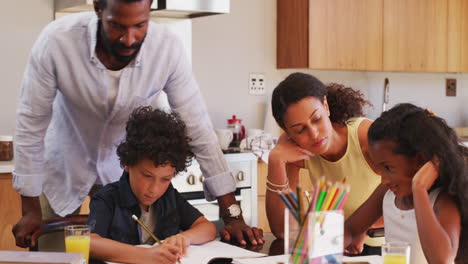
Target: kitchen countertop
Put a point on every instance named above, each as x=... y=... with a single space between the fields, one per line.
x=6 y=166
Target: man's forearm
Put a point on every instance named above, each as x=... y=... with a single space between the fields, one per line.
x=30 y=205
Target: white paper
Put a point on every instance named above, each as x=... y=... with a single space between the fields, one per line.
x=201 y=254
x=265 y=260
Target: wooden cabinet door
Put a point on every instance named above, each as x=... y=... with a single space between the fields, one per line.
x=10 y=210
x=459 y=9
x=415 y=35
x=345 y=34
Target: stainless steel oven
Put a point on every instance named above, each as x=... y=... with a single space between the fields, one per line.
x=244 y=169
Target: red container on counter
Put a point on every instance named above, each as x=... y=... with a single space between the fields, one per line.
x=6 y=148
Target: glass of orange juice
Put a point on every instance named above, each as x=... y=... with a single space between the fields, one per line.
x=77 y=240
x=396 y=253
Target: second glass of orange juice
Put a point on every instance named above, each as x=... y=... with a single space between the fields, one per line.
x=396 y=253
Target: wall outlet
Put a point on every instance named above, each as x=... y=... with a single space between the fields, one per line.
x=257 y=84
x=450 y=87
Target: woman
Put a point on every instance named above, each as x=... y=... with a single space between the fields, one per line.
x=323 y=136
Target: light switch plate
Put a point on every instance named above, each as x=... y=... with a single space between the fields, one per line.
x=257 y=84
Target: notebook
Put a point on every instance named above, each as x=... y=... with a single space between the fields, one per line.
x=214 y=252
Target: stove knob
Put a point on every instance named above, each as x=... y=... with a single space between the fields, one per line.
x=191 y=179
x=202 y=178
x=240 y=176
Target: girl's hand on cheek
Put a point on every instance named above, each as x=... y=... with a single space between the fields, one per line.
x=426 y=175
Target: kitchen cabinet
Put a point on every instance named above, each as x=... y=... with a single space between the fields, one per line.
x=330 y=34
x=262 y=167
x=10 y=210
x=373 y=35
x=458 y=20
x=415 y=35
x=345 y=35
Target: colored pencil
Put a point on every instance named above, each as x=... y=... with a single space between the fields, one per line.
x=289 y=206
x=322 y=195
x=340 y=200
x=340 y=207
x=329 y=197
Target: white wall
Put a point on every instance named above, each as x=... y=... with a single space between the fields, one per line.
x=227 y=47
x=423 y=89
x=22 y=21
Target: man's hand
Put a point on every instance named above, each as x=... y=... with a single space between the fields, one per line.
x=27 y=229
x=238 y=230
x=235 y=228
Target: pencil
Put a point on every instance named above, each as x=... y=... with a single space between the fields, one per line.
x=149 y=232
x=289 y=206
x=299 y=205
x=329 y=197
x=321 y=197
x=315 y=197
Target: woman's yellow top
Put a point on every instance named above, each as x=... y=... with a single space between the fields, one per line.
x=352 y=166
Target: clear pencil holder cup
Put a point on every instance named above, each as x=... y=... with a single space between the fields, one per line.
x=318 y=240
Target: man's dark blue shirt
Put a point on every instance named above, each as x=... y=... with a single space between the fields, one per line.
x=112 y=207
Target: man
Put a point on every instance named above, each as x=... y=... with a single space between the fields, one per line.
x=85 y=75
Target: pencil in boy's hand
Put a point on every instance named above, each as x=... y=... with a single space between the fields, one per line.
x=149 y=232
x=146 y=229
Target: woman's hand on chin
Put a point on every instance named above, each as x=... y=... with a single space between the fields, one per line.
x=287 y=151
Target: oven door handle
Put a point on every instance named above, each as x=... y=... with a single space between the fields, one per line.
x=204 y=201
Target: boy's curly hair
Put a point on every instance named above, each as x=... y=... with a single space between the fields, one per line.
x=157 y=136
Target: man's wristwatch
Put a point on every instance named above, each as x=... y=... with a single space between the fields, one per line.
x=234 y=211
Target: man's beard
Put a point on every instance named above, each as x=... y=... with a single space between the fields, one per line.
x=112 y=47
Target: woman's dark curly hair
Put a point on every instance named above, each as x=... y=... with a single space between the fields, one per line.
x=416 y=130
x=343 y=102
x=157 y=136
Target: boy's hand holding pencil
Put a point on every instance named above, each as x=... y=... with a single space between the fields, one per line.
x=179 y=241
x=164 y=252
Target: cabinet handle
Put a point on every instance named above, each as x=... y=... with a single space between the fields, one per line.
x=191 y=179
x=240 y=176
x=202 y=178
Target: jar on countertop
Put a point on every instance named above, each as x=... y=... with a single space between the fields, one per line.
x=6 y=148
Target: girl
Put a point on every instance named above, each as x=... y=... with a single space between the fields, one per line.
x=323 y=137
x=424 y=177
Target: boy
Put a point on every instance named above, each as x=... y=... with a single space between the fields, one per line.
x=154 y=150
